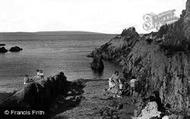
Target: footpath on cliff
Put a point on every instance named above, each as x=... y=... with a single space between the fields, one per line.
x=95 y=104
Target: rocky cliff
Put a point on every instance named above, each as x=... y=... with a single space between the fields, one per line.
x=160 y=60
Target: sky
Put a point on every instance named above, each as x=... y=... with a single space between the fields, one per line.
x=106 y=16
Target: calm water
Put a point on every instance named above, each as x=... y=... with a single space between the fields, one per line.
x=52 y=54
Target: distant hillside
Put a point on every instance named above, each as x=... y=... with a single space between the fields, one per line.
x=66 y=32
x=50 y=35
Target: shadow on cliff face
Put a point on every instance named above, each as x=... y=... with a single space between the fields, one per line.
x=43 y=96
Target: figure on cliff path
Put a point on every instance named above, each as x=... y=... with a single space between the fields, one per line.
x=115 y=84
x=132 y=84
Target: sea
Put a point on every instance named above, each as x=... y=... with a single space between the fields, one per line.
x=51 y=52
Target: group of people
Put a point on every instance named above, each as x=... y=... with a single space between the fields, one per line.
x=116 y=84
x=39 y=76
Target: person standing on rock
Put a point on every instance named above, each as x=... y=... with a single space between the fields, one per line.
x=27 y=80
x=39 y=75
x=120 y=85
x=37 y=72
x=132 y=84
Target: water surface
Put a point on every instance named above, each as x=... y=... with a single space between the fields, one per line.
x=51 y=53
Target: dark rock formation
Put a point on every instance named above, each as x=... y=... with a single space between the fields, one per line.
x=177 y=34
x=3 y=50
x=2 y=44
x=40 y=95
x=15 y=49
x=130 y=33
x=97 y=64
x=118 y=46
x=159 y=60
x=187 y=20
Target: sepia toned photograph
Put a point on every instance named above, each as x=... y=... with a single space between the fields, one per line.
x=94 y=59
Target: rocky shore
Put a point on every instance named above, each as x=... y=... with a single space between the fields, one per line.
x=160 y=60
x=37 y=99
x=80 y=99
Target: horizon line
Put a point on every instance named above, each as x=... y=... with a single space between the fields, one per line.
x=46 y=31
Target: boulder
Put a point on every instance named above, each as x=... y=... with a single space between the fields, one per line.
x=97 y=64
x=3 y=50
x=15 y=49
x=149 y=111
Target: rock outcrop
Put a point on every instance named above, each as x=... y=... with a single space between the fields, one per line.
x=120 y=45
x=187 y=20
x=15 y=49
x=159 y=60
x=2 y=44
x=97 y=64
x=3 y=50
x=40 y=96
